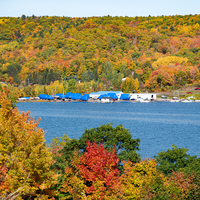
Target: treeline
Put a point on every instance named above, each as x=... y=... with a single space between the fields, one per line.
x=158 y=51
x=70 y=85
x=103 y=163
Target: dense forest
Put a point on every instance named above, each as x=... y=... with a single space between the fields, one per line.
x=96 y=53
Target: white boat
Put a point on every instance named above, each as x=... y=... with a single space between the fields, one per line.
x=175 y=99
x=106 y=100
x=143 y=100
x=25 y=98
x=187 y=100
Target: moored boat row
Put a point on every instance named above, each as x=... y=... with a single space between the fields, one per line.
x=188 y=100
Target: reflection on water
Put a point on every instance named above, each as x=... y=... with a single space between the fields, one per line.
x=158 y=125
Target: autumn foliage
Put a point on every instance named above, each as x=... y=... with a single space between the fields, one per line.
x=24 y=158
x=42 y=49
x=95 y=175
x=96 y=172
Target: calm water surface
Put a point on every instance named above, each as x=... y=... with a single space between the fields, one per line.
x=158 y=125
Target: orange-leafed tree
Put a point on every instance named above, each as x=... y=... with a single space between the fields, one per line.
x=94 y=174
x=182 y=186
x=158 y=79
x=24 y=158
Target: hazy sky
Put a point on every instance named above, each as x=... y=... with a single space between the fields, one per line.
x=86 y=8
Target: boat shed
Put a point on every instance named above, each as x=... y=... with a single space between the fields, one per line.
x=95 y=95
x=76 y=96
x=45 y=97
x=149 y=96
x=68 y=95
x=125 y=97
x=60 y=96
x=73 y=96
x=112 y=96
x=85 y=97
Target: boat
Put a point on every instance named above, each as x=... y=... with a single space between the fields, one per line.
x=141 y=100
x=164 y=97
x=175 y=99
x=24 y=98
x=106 y=100
x=187 y=100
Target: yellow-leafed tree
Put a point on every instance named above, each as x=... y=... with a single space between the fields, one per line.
x=168 y=60
x=137 y=85
x=128 y=85
x=140 y=180
x=24 y=158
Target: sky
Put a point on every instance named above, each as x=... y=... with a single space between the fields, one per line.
x=88 y=8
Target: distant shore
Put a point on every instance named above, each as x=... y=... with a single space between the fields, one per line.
x=90 y=100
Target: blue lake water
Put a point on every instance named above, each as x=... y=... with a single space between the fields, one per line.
x=158 y=125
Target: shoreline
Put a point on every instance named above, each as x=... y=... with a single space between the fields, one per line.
x=91 y=101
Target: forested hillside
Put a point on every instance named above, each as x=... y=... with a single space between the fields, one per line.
x=153 y=52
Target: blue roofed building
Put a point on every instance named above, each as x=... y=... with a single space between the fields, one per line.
x=95 y=95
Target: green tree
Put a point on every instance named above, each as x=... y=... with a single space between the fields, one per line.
x=85 y=77
x=16 y=80
x=177 y=159
x=71 y=85
x=181 y=77
x=23 y=17
x=135 y=55
x=117 y=137
x=13 y=69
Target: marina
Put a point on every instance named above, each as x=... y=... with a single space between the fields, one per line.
x=107 y=97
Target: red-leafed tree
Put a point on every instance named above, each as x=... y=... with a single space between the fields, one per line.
x=3 y=174
x=94 y=175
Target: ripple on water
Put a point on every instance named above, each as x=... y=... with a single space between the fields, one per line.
x=158 y=125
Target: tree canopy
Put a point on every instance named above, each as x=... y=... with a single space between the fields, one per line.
x=53 y=48
x=177 y=159
x=112 y=137
x=24 y=158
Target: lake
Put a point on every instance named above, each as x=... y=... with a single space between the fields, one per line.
x=158 y=125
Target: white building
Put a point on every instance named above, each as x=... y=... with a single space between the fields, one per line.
x=149 y=96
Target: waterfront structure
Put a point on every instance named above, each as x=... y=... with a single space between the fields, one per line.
x=131 y=96
x=85 y=97
x=45 y=97
x=125 y=97
x=149 y=96
x=60 y=96
x=95 y=95
x=107 y=98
